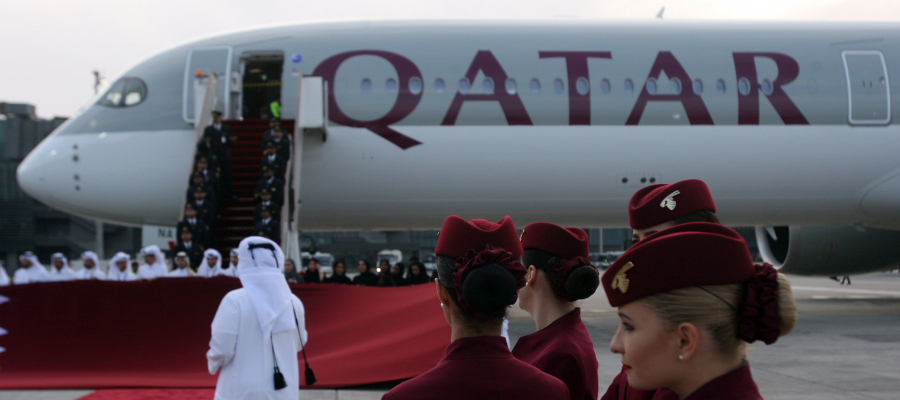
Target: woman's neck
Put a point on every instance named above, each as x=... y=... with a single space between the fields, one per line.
x=464 y=330
x=548 y=309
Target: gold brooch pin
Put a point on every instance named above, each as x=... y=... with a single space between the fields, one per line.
x=621 y=282
x=669 y=201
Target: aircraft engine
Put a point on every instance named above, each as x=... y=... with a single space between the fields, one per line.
x=829 y=250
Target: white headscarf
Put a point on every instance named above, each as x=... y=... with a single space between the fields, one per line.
x=88 y=273
x=159 y=266
x=66 y=273
x=205 y=270
x=260 y=271
x=114 y=273
x=35 y=273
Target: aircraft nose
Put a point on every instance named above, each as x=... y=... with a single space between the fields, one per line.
x=42 y=173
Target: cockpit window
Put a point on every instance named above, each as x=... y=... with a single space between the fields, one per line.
x=126 y=92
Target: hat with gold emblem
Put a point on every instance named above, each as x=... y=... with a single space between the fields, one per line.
x=655 y=204
x=686 y=255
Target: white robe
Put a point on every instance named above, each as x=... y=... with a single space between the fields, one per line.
x=230 y=271
x=60 y=275
x=179 y=273
x=116 y=275
x=157 y=270
x=92 y=273
x=32 y=274
x=245 y=356
x=4 y=278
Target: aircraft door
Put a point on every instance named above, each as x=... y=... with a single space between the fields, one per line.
x=207 y=60
x=868 y=87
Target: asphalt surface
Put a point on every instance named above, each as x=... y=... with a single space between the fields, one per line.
x=846 y=345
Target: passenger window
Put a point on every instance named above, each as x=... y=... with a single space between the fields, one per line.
x=605 y=87
x=629 y=86
x=439 y=85
x=535 y=86
x=415 y=85
x=126 y=92
x=720 y=86
x=511 y=86
x=698 y=86
x=558 y=86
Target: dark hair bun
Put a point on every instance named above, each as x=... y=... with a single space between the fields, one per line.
x=582 y=282
x=489 y=289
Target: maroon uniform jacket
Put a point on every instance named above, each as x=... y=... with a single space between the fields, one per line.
x=480 y=368
x=735 y=385
x=565 y=350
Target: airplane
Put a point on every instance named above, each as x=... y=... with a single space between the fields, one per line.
x=790 y=124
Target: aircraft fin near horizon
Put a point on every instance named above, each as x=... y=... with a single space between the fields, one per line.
x=661 y=11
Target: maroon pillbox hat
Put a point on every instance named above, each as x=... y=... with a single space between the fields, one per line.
x=457 y=236
x=686 y=255
x=566 y=243
x=655 y=204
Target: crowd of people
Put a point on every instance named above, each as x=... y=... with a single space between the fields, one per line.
x=389 y=275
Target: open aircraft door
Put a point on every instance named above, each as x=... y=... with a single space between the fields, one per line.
x=201 y=62
x=312 y=119
x=869 y=90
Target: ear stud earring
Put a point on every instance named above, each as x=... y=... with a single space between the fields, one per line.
x=681 y=357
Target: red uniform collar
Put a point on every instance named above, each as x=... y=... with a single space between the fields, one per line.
x=735 y=385
x=477 y=347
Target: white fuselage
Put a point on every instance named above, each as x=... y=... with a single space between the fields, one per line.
x=788 y=149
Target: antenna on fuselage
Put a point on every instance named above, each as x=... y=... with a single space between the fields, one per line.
x=660 y=15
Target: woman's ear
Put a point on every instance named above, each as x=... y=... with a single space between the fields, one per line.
x=688 y=336
x=531 y=275
x=442 y=294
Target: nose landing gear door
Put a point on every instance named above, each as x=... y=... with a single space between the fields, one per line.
x=201 y=62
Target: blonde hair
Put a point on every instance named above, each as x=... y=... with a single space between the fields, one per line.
x=717 y=310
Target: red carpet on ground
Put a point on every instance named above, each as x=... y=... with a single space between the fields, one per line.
x=151 y=394
x=90 y=334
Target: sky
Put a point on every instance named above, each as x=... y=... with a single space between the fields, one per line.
x=50 y=47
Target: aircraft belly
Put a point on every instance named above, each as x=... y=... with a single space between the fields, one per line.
x=574 y=174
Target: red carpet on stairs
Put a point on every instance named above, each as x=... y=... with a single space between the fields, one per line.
x=235 y=220
x=155 y=334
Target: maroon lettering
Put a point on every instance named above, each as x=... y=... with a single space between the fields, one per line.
x=404 y=105
x=694 y=107
x=511 y=104
x=748 y=105
x=577 y=67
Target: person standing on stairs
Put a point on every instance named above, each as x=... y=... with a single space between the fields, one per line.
x=268 y=227
x=275 y=186
x=274 y=161
x=220 y=138
x=281 y=142
x=269 y=134
x=265 y=200
x=199 y=228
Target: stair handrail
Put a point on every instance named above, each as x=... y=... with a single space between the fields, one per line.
x=289 y=230
x=210 y=99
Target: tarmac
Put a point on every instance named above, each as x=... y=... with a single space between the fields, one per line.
x=846 y=345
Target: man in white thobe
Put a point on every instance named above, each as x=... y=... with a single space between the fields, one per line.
x=211 y=264
x=155 y=266
x=118 y=268
x=4 y=278
x=255 y=326
x=91 y=268
x=31 y=270
x=61 y=270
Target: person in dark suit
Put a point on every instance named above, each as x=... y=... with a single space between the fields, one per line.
x=273 y=161
x=206 y=209
x=199 y=229
x=193 y=249
x=265 y=201
x=220 y=138
x=268 y=227
x=275 y=186
x=210 y=176
x=281 y=142
x=197 y=179
x=269 y=134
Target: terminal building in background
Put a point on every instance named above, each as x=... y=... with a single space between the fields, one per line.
x=25 y=223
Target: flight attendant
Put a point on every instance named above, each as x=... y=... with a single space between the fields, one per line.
x=559 y=274
x=657 y=207
x=478 y=276
x=650 y=210
x=687 y=332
